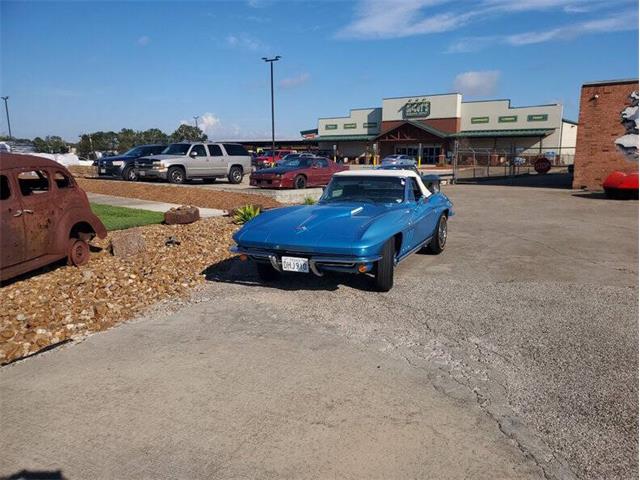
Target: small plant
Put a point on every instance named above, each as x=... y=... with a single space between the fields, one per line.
x=309 y=201
x=244 y=214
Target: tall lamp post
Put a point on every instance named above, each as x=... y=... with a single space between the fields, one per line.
x=195 y=119
x=273 y=122
x=6 y=109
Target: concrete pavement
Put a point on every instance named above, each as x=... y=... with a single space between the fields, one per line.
x=513 y=352
x=146 y=204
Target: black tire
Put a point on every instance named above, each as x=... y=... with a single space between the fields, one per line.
x=130 y=174
x=300 y=182
x=235 y=175
x=266 y=272
x=439 y=240
x=176 y=175
x=384 y=268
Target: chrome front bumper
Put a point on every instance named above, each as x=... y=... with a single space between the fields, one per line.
x=317 y=262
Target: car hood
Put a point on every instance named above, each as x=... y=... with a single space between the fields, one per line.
x=116 y=158
x=156 y=158
x=277 y=170
x=304 y=228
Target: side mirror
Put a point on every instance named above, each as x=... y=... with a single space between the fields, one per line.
x=193 y=154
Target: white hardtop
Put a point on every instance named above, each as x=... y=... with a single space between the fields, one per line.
x=385 y=173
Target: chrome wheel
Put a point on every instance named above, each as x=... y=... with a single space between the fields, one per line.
x=442 y=231
x=177 y=176
x=237 y=176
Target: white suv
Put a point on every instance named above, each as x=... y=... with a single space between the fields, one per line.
x=180 y=162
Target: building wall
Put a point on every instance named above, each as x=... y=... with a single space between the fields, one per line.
x=499 y=115
x=440 y=106
x=345 y=149
x=599 y=127
x=361 y=121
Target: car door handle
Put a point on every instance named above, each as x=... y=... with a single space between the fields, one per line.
x=18 y=213
x=27 y=211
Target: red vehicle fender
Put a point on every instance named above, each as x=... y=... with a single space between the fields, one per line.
x=619 y=180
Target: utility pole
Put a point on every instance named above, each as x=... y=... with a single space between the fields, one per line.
x=273 y=122
x=6 y=109
x=195 y=119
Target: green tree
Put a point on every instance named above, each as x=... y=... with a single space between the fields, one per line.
x=127 y=139
x=153 y=135
x=188 y=133
x=50 y=144
x=40 y=145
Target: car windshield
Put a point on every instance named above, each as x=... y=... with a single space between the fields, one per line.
x=364 y=189
x=134 y=152
x=290 y=156
x=267 y=153
x=177 y=149
x=296 y=162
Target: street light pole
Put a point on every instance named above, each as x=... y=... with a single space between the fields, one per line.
x=6 y=109
x=273 y=122
x=195 y=119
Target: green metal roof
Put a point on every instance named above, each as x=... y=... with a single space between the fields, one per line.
x=344 y=138
x=533 y=132
x=307 y=132
x=420 y=125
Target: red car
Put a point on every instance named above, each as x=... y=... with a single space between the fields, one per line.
x=299 y=172
x=268 y=159
x=44 y=215
x=621 y=184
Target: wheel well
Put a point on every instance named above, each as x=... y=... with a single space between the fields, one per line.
x=446 y=212
x=82 y=230
x=397 y=242
x=177 y=166
x=237 y=165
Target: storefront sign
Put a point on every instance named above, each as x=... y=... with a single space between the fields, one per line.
x=417 y=108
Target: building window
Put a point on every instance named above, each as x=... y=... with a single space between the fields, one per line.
x=508 y=119
x=543 y=117
x=479 y=119
x=349 y=125
x=331 y=126
x=370 y=125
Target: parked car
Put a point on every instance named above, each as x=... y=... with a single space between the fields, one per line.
x=398 y=159
x=181 y=162
x=432 y=182
x=297 y=172
x=123 y=166
x=45 y=216
x=365 y=222
x=269 y=159
x=621 y=184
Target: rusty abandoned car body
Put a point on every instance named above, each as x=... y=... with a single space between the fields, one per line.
x=44 y=215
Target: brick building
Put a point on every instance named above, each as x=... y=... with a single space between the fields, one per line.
x=606 y=131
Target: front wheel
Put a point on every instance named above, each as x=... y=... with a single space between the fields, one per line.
x=235 y=175
x=384 y=269
x=130 y=174
x=439 y=239
x=176 y=175
x=77 y=252
x=300 y=182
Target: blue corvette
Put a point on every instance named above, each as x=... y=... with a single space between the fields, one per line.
x=365 y=222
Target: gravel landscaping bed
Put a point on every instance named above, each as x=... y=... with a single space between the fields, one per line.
x=49 y=307
x=182 y=195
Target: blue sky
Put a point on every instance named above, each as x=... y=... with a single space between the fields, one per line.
x=74 y=67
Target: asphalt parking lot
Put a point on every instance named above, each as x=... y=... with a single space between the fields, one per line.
x=514 y=354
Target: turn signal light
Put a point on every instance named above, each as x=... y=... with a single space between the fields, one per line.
x=362 y=268
x=243 y=258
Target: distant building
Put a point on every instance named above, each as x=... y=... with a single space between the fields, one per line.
x=431 y=127
x=608 y=134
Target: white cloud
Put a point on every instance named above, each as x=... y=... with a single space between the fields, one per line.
x=476 y=84
x=245 y=42
x=143 y=41
x=293 y=82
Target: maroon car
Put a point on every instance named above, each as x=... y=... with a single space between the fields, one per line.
x=44 y=215
x=300 y=172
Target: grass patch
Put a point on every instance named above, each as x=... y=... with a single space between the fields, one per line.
x=120 y=218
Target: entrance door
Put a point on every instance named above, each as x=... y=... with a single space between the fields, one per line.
x=411 y=150
x=12 y=239
x=430 y=154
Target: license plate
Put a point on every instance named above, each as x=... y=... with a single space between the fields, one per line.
x=142 y=173
x=295 y=264
x=103 y=170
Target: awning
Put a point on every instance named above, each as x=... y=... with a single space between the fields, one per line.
x=419 y=125
x=534 y=132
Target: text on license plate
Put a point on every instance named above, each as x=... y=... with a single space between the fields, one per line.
x=295 y=264
x=103 y=170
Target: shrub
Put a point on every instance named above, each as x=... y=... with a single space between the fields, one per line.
x=309 y=201
x=244 y=214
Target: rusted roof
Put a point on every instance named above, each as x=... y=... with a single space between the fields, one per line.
x=15 y=160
